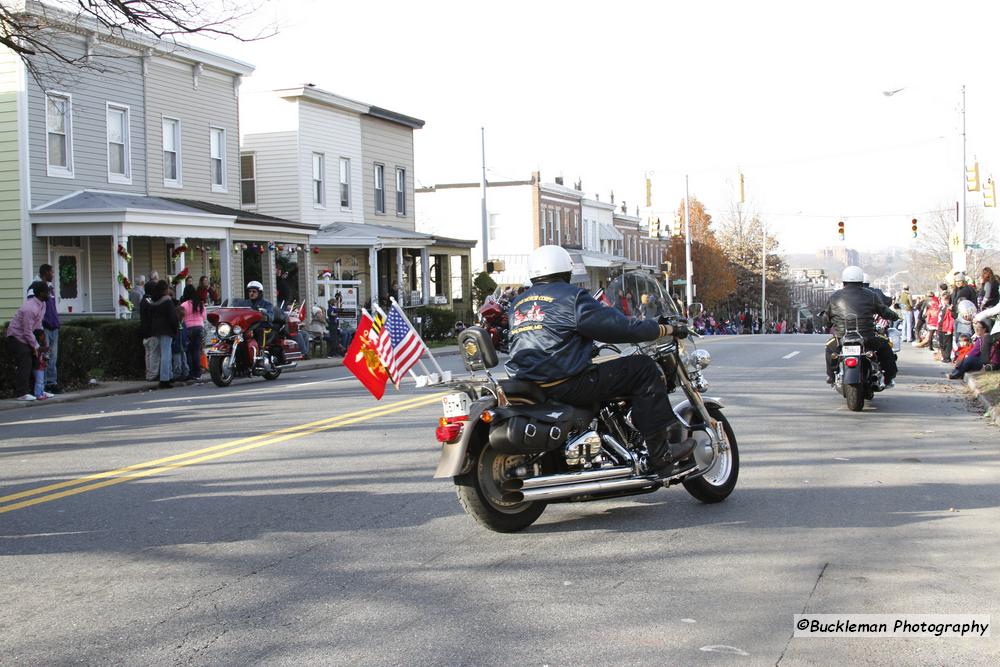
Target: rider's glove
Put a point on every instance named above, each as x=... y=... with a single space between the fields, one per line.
x=680 y=330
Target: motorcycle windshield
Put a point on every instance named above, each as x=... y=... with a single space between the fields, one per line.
x=638 y=294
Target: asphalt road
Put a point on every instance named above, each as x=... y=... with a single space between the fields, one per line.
x=297 y=522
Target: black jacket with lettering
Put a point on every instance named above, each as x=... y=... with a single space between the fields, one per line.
x=855 y=301
x=553 y=327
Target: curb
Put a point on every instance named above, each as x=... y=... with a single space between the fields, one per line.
x=137 y=386
x=992 y=411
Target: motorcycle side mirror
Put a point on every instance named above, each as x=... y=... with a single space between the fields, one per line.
x=477 y=349
x=695 y=309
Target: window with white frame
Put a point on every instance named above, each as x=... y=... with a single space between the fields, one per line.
x=248 y=179
x=345 y=182
x=217 y=158
x=119 y=157
x=171 y=152
x=557 y=226
x=59 y=131
x=318 y=189
x=400 y=191
x=379 y=188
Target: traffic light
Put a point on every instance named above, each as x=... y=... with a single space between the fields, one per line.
x=913 y=227
x=495 y=265
x=840 y=230
x=989 y=193
x=649 y=193
x=972 y=177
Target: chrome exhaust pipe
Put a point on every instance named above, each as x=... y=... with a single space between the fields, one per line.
x=284 y=366
x=584 y=488
x=567 y=478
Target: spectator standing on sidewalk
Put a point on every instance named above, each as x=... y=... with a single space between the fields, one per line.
x=946 y=328
x=989 y=293
x=194 y=324
x=962 y=292
x=136 y=294
x=50 y=324
x=906 y=303
x=22 y=341
x=150 y=343
x=163 y=325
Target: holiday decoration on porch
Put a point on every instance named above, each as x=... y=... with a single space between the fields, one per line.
x=123 y=253
x=181 y=275
x=177 y=251
x=315 y=250
x=125 y=303
x=270 y=246
x=124 y=281
x=261 y=248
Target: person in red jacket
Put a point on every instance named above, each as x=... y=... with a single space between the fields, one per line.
x=932 y=316
x=946 y=329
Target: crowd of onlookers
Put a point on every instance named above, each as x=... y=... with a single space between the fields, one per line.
x=959 y=322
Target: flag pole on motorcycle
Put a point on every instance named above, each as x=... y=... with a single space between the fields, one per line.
x=390 y=343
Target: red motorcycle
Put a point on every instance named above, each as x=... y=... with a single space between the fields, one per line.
x=493 y=318
x=247 y=342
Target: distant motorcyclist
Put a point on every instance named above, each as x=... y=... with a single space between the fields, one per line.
x=856 y=306
x=887 y=300
x=553 y=328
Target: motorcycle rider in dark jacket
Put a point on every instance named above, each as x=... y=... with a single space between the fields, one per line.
x=553 y=328
x=856 y=306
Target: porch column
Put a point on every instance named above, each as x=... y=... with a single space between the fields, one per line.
x=425 y=277
x=271 y=275
x=399 y=276
x=226 y=267
x=181 y=260
x=373 y=275
x=120 y=266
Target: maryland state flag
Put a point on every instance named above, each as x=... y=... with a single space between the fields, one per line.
x=362 y=358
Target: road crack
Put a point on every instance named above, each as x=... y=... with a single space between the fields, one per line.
x=804 y=607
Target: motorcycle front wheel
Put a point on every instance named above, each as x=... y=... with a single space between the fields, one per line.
x=479 y=491
x=221 y=371
x=720 y=480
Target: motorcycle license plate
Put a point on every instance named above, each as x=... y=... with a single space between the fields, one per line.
x=852 y=351
x=456 y=405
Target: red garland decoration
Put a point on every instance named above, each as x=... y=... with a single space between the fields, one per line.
x=123 y=253
x=125 y=303
x=181 y=275
x=124 y=281
x=176 y=252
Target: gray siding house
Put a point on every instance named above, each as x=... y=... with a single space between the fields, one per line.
x=126 y=165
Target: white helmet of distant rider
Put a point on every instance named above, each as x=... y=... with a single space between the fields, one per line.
x=549 y=260
x=853 y=274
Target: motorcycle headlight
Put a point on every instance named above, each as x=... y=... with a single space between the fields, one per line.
x=702 y=358
x=237 y=330
x=224 y=330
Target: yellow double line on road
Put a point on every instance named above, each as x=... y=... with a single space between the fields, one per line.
x=44 y=494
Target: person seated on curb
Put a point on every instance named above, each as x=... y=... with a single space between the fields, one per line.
x=967 y=358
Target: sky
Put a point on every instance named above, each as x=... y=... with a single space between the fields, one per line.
x=789 y=93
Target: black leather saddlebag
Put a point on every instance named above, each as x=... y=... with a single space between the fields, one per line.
x=535 y=429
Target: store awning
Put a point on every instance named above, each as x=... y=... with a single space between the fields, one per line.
x=606 y=232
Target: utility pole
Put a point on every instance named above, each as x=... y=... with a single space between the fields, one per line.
x=486 y=225
x=958 y=257
x=689 y=288
x=763 y=274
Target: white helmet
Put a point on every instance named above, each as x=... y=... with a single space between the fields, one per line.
x=867 y=279
x=853 y=274
x=549 y=260
x=255 y=284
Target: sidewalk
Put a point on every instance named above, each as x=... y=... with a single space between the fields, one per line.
x=982 y=383
x=116 y=388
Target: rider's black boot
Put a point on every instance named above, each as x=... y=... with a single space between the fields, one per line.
x=664 y=456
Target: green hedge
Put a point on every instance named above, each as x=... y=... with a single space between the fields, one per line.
x=438 y=323
x=87 y=347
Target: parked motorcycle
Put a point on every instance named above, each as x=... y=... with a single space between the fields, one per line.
x=237 y=352
x=494 y=319
x=511 y=451
x=859 y=375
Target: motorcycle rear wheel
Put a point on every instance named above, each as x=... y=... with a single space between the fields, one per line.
x=222 y=372
x=273 y=375
x=855 y=397
x=720 y=480
x=480 y=494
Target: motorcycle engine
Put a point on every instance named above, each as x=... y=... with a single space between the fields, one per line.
x=583 y=451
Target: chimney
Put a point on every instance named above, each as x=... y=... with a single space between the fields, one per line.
x=559 y=180
x=578 y=186
x=612 y=196
x=597 y=196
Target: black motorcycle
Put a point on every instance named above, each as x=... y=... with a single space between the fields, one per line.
x=859 y=375
x=510 y=451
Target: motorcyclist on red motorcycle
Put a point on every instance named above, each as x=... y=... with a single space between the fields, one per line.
x=553 y=328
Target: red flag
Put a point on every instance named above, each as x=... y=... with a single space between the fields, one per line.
x=362 y=359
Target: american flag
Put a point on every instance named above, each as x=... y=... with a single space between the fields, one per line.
x=399 y=346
